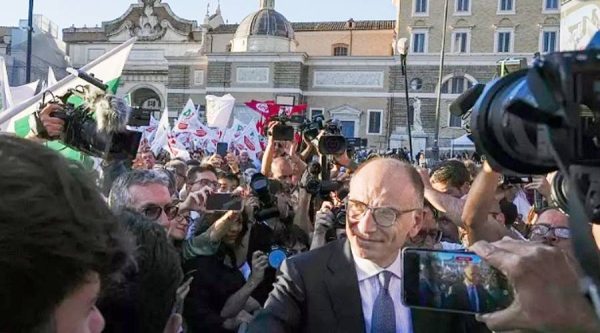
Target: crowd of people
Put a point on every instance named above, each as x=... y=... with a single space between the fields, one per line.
x=135 y=249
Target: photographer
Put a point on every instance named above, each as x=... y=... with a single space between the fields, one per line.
x=276 y=150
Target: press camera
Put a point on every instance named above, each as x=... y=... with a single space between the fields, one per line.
x=543 y=119
x=97 y=125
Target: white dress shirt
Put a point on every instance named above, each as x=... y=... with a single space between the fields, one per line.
x=369 y=285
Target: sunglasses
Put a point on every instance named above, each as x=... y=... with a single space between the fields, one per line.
x=153 y=212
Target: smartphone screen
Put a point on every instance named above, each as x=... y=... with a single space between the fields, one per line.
x=222 y=148
x=452 y=281
x=223 y=202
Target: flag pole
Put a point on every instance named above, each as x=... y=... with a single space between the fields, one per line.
x=436 y=149
x=29 y=40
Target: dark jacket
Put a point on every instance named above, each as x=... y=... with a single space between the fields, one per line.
x=214 y=282
x=318 y=291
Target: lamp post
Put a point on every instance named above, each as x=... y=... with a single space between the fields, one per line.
x=29 y=40
x=402 y=48
x=436 y=149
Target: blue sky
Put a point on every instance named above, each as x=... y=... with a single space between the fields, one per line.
x=92 y=12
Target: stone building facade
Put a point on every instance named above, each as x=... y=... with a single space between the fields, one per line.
x=344 y=70
x=479 y=34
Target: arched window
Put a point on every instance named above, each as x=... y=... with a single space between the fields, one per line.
x=456 y=85
x=340 y=50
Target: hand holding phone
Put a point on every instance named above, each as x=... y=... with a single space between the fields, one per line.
x=453 y=281
x=221 y=202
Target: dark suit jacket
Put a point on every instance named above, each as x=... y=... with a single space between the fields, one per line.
x=318 y=291
x=459 y=299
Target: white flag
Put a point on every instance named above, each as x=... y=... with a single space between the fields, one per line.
x=51 y=78
x=250 y=139
x=219 y=110
x=22 y=93
x=107 y=68
x=5 y=97
x=163 y=130
x=188 y=119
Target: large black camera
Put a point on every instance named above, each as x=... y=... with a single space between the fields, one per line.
x=97 y=126
x=333 y=142
x=313 y=183
x=283 y=131
x=264 y=188
x=543 y=119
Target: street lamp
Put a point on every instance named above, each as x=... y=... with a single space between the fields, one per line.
x=402 y=48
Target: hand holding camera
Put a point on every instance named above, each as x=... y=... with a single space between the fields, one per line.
x=260 y=262
x=325 y=218
x=53 y=126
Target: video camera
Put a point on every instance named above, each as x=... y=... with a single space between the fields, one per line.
x=313 y=182
x=263 y=188
x=283 y=131
x=96 y=127
x=547 y=118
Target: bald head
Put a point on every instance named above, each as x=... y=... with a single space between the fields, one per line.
x=388 y=173
x=282 y=170
x=553 y=217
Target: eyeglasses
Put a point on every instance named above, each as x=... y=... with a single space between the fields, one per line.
x=383 y=216
x=205 y=182
x=544 y=229
x=435 y=234
x=153 y=212
x=181 y=218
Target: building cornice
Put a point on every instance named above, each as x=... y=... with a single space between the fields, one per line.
x=257 y=57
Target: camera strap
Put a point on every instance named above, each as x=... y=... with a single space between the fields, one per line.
x=585 y=248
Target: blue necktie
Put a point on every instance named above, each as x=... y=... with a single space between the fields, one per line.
x=473 y=298
x=384 y=315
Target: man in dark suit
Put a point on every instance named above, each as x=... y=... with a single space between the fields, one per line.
x=353 y=285
x=468 y=294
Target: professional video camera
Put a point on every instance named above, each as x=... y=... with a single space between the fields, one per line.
x=311 y=129
x=98 y=126
x=263 y=188
x=284 y=131
x=333 y=142
x=543 y=119
x=314 y=184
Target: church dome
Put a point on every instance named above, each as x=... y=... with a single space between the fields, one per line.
x=265 y=22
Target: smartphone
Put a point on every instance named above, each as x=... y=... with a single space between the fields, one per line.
x=222 y=148
x=452 y=281
x=221 y=202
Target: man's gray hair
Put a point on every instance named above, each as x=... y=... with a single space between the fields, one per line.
x=120 y=198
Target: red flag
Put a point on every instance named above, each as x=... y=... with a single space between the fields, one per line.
x=263 y=108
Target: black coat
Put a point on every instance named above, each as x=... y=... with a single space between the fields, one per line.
x=214 y=282
x=318 y=291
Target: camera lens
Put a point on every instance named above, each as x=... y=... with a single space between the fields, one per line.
x=504 y=138
x=332 y=144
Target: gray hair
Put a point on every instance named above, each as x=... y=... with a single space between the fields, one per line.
x=120 y=198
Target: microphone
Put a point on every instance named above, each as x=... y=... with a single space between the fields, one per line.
x=112 y=113
x=466 y=100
